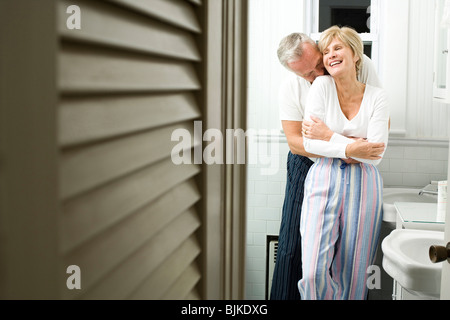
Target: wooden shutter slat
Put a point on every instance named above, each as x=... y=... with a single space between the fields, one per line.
x=184 y=284
x=96 y=70
x=106 y=24
x=196 y=2
x=177 y=13
x=158 y=214
x=193 y=295
x=91 y=213
x=167 y=273
x=85 y=168
x=115 y=244
x=125 y=278
x=93 y=118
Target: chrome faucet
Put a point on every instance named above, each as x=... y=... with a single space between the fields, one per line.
x=421 y=192
x=429 y=189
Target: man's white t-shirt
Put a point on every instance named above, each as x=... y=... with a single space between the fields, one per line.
x=294 y=91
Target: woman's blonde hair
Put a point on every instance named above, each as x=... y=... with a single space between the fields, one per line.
x=349 y=37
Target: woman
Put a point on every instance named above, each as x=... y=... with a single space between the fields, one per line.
x=342 y=208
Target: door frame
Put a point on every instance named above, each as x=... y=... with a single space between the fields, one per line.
x=224 y=185
x=29 y=209
x=445 y=276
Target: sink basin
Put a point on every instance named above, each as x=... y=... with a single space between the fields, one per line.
x=392 y=195
x=406 y=260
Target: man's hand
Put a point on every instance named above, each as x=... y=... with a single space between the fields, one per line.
x=364 y=150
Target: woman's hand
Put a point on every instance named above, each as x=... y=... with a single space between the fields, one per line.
x=364 y=150
x=316 y=130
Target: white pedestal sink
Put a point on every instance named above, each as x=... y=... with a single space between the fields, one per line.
x=406 y=260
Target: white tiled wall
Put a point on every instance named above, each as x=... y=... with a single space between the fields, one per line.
x=407 y=163
x=414 y=166
x=269 y=22
x=265 y=196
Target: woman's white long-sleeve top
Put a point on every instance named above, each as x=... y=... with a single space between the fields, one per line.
x=371 y=122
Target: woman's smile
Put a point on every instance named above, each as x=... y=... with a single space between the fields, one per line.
x=335 y=62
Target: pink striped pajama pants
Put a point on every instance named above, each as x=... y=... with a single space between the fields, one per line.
x=340 y=227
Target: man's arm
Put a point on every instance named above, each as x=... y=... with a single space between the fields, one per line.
x=293 y=132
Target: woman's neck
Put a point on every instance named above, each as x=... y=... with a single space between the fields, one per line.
x=348 y=86
x=350 y=93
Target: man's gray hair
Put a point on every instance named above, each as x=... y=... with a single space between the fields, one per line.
x=290 y=48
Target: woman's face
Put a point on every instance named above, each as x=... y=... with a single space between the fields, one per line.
x=339 y=59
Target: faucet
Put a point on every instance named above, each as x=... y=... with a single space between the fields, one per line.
x=429 y=189
x=421 y=192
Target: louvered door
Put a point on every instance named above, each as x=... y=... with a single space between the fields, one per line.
x=86 y=176
x=127 y=80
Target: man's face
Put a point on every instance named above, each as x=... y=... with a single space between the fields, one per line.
x=310 y=66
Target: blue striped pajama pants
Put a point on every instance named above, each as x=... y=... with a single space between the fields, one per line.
x=340 y=227
x=288 y=265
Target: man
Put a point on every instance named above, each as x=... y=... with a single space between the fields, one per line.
x=300 y=55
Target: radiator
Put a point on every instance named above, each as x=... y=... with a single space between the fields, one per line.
x=271 y=258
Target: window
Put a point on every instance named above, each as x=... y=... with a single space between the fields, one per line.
x=361 y=15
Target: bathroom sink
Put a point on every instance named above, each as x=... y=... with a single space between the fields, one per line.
x=406 y=260
x=392 y=195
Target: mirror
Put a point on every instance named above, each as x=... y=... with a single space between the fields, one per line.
x=441 y=53
x=441 y=60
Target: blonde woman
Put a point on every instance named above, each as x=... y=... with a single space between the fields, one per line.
x=342 y=207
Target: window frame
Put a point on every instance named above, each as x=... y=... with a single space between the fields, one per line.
x=312 y=26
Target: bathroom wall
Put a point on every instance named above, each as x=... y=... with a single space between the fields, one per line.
x=269 y=22
x=265 y=192
x=412 y=159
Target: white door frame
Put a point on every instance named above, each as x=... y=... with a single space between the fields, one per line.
x=445 y=277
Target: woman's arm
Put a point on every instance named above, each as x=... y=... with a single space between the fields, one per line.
x=364 y=151
x=317 y=129
x=338 y=146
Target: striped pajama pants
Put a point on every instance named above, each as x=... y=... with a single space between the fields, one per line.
x=288 y=265
x=340 y=227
